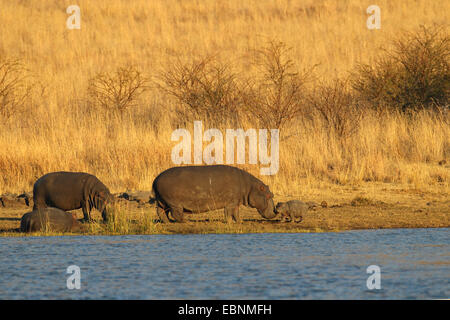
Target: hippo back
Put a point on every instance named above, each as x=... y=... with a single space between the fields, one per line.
x=48 y=219
x=200 y=188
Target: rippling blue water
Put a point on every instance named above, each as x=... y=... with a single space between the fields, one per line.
x=415 y=264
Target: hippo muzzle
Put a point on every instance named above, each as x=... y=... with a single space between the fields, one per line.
x=269 y=212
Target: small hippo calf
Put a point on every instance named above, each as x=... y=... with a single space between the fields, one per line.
x=49 y=219
x=292 y=209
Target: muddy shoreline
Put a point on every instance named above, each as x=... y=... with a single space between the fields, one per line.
x=136 y=217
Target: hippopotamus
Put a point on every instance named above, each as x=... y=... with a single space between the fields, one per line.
x=291 y=210
x=70 y=191
x=49 y=219
x=196 y=189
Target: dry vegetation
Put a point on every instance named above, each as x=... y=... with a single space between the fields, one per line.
x=105 y=99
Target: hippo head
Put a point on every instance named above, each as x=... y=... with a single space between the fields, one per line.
x=101 y=199
x=281 y=207
x=261 y=198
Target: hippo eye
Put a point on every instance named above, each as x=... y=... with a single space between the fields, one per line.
x=261 y=188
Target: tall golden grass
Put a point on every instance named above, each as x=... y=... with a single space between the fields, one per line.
x=59 y=131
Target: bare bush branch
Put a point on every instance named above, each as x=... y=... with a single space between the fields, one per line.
x=15 y=88
x=278 y=96
x=119 y=90
x=335 y=104
x=206 y=88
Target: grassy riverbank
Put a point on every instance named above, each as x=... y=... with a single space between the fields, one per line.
x=372 y=206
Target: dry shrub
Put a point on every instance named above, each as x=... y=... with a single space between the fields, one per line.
x=415 y=73
x=335 y=104
x=205 y=88
x=15 y=87
x=117 y=91
x=277 y=94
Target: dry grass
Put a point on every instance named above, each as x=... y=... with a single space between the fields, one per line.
x=60 y=129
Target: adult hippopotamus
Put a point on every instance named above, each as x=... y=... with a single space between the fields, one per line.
x=198 y=189
x=70 y=191
x=49 y=219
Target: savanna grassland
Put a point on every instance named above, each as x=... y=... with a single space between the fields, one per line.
x=363 y=114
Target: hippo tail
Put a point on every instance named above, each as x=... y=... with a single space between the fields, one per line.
x=152 y=199
x=155 y=197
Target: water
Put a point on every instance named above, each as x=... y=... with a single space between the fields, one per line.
x=414 y=263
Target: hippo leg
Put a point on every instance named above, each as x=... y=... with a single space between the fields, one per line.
x=39 y=205
x=232 y=214
x=105 y=215
x=177 y=214
x=291 y=217
x=228 y=213
x=235 y=215
x=162 y=214
x=86 y=215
